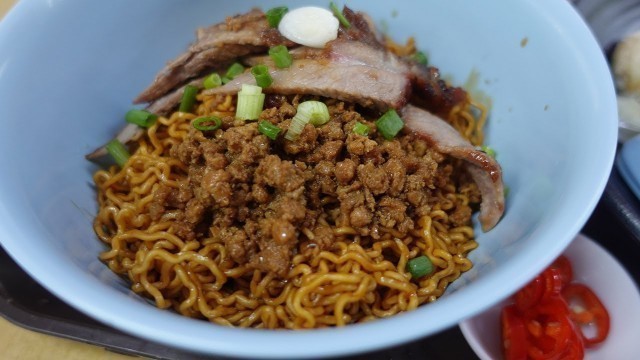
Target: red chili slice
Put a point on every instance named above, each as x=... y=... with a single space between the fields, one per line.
x=514 y=335
x=553 y=316
x=575 y=351
x=580 y=296
x=530 y=295
x=546 y=285
x=549 y=316
x=552 y=283
x=563 y=265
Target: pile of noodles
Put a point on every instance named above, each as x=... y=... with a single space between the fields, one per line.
x=357 y=280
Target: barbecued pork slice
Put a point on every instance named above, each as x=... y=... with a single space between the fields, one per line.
x=215 y=47
x=167 y=103
x=486 y=172
x=358 y=83
x=346 y=70
x=362 y=28
x=431 y=92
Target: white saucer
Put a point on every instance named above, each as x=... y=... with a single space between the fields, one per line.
x=596 y=268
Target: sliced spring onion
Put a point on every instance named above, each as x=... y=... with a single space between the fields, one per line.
x=188 y=98
x=311 y=112
x=274 y=15
x=489 y=151
x=207 y=123
x=281 y=57
x=268 y=129
x=141 y=118
x=339 y=15
x=419 y=266
x=118 y=152
x=261 y=73
x=316 y=110
x=250 y=102
x=420 y=58
x=212 y=81
x=234 y=70
x=389 y=124
x=250 y=90
x=361 y=129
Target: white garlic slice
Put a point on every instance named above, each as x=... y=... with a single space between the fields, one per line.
x=310 y=26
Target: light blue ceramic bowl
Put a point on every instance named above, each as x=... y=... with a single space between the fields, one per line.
x=68 y=72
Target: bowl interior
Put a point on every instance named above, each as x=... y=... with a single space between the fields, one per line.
x=69 y=70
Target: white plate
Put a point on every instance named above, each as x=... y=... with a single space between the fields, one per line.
x=594 y=266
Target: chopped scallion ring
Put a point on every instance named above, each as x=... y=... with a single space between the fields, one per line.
x=419 y=266
x=268 y=129
x=311 y=112
x=420 y=58
x=316 y=110
x=361 y=129
x=389 y=124
x=118 y=152
x=141 y=118
x=188 y=98
x=212 y=81
x=201 y=123
x=234 y=70
x=281 y=57
x=250 y=102
x=274 y=15
x=339 y=15
x=248 y=89
x=261 y=73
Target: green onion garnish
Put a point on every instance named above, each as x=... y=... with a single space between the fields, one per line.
x=250 y=90
x=234 y=70
x=207 y=123
x=250 y=102
x=141 y=118
x=261 y=73
x=188 y=98
x=212 y=81
x=420 y=58
x=274 y=15
x=225 y=79
x=389 y=124
x=118 y=152
x=268 y=129
x=281 y=57
x=338 y=14
x=311 y=112
x=361 y=129
x=489 y=151
x=419 y=267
